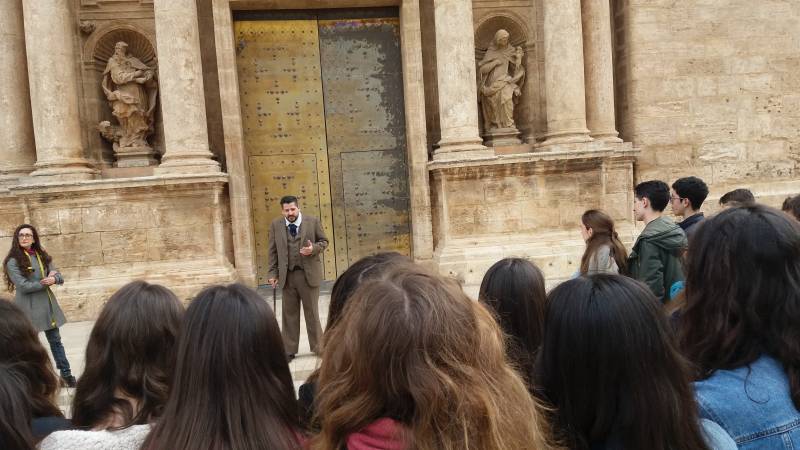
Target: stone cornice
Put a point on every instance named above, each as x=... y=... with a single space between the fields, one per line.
x=112 y=184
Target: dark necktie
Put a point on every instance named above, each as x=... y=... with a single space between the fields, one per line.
x=293 y=229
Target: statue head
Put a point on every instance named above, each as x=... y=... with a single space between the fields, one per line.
x=121 y=48
x=501 y=38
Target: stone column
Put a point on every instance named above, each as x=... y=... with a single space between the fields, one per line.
x=564 y=83
x=457 y=82
x=50 y=36
x=18 y=152
x=599 y=70
x=183 y=104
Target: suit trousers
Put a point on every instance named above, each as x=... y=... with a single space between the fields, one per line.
x=296 y=291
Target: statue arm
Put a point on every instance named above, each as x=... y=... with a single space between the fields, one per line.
x=119 y=76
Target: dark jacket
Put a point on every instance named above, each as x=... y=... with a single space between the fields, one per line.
x=689 y=224
x=656 y=256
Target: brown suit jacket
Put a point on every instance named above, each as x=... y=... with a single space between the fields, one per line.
x=310 y=230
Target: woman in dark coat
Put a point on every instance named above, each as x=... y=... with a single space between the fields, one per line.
x=30 y=271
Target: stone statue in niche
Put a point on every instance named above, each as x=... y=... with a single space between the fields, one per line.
x=501 y=75
x=131 y=89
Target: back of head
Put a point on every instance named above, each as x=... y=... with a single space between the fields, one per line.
x=603 y=233
x=20 y=345
x=361 y=270
x=513 y=288
x=232 y=387
x=656 y=191
x=743 y=292
x=692 y=188
x=413 y=347
x=131 y=353
x=792 y=206
x=610 y=368
x=15 y=411
x=737 y=197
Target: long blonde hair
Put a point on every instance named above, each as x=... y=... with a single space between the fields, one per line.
x=413 y=347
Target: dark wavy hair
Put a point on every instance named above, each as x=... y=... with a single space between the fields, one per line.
x=603 y=233
x=18 y=253
x=611 y=369
x=20 y=345
x=15 y=410
x=232 y=387
x=131 y=351
x=513 y=289
x=364 y=269
x=743 y=293
x=792 y=206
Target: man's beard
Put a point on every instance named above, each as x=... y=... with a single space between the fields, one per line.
x=291 y=218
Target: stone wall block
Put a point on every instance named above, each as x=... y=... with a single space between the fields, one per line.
x=124 y=246
x=75 y=250
x=46 y=221
x=70 y=220
x=9 y=221
x=179 y=242
x=123 y=216
x=195 y=214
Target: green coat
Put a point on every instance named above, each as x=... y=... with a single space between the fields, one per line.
x=38 y=301
x=656 y=256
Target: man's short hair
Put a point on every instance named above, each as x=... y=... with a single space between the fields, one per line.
x=693 y=189
x=742 y=196
x=654 y=190
x=792 y=206
x=286 y=199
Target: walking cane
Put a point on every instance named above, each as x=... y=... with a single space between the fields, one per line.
x=274 y=297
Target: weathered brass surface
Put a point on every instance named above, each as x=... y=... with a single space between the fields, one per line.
x=284 y=125
x=363 y=91
x=322 y=108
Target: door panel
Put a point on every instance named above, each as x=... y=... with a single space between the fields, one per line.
x=284 y=126
x=323 y=117
x=365 y=121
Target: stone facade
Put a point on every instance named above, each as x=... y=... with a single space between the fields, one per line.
x=615 y=92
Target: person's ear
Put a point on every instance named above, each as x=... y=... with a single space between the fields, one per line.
x=645 y=203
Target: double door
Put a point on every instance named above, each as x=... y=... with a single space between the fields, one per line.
x=323 y=117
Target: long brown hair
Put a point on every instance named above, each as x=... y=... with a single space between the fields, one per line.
x=743 y=293
x=131 y=351
x=19 y=344
x=232 y=387
x=18 y=254
x=603 y=233
x=414 y=348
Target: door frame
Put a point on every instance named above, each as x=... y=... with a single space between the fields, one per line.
x=236 y=153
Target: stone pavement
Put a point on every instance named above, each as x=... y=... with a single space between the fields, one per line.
x=75 y=336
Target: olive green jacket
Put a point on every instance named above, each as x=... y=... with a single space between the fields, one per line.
x=655 y=258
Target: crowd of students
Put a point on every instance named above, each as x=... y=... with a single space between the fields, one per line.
x=681 y=344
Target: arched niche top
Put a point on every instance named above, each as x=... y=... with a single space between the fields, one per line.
x=488 y=26
x=100 y=45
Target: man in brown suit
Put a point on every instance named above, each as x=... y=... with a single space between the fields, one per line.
x=295 y=265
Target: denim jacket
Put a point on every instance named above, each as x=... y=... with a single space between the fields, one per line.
x=753 y=405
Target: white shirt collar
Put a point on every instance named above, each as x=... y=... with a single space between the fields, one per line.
x=296 y=222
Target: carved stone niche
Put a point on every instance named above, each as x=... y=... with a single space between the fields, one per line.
x=501 y=74
x=129 y=84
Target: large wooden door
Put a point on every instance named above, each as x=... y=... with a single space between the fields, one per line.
x=322 y=107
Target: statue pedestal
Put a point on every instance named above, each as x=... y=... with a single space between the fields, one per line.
x=134 y=157
x=502 y=137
